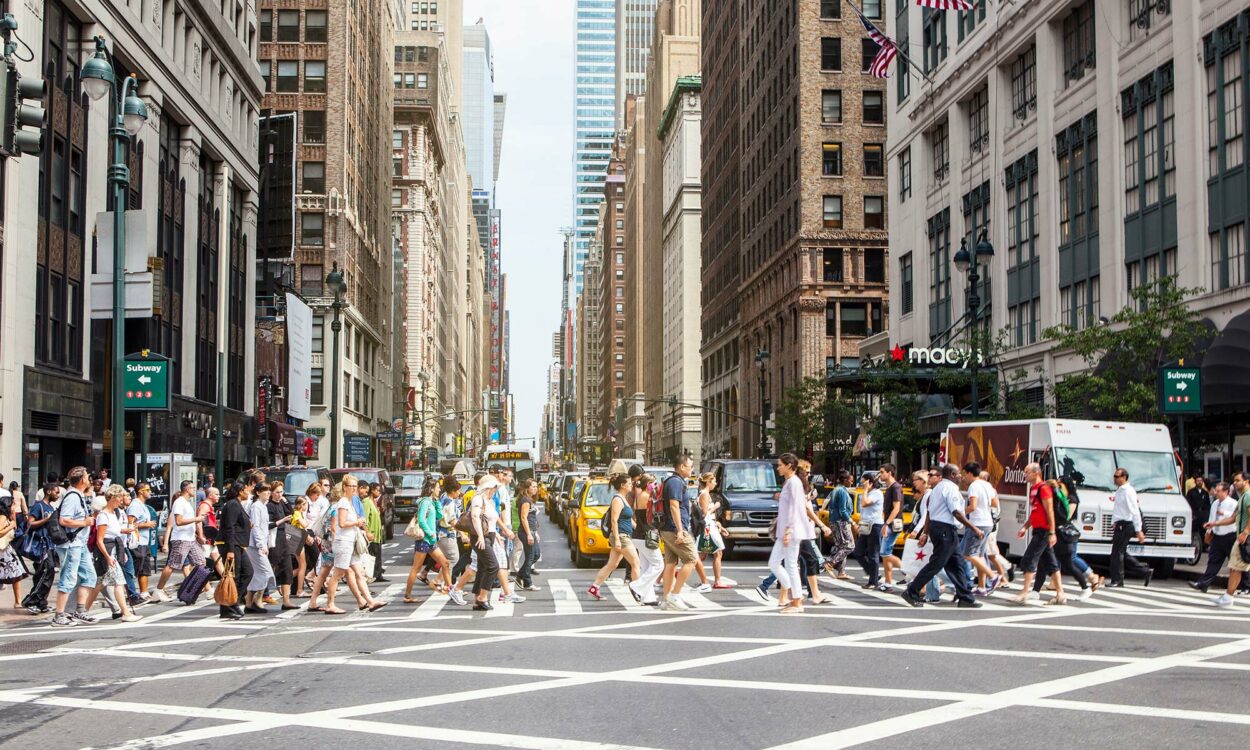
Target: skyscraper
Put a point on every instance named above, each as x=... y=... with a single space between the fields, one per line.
x=635 y=23
x=594 y=118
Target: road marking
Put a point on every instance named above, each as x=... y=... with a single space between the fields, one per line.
x=565 y=599
x=697 y=600
x=429 y=609
x=894 y=599
x=499 y=609
x=1132 y=599
x=620 y=592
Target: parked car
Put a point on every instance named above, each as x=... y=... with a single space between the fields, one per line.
x=408 y=486
x=567 y=480
x=387 y=504
x=746 y=490
x=587 y=544
x=295 y=479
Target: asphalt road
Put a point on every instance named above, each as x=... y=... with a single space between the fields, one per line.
x=1137 y=668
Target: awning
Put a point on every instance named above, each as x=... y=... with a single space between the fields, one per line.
x=1226 y=369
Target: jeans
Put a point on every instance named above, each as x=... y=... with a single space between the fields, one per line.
x=132 y=583
x=945 y=557
x=1217 y=554
x=1120 y=558
x=1065 y=555
x=527 y=562
x=77 y=569
x=784 y=563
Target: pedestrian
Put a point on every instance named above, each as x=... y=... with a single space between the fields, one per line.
x=281 y=557
x=492 y=502
x=316 y=540
x=713 y=535
x=210 y=528
x=181 y=539
x=1239 y=557
x=678 y=544
x=12 y=570
x=841 y=541
x=645 y=537
x=979 y=512
x=1039 y=554
x=1126 y=524
x=891 y=524
x=527 y=513
x=374 y=530
x=110 y=548
x=450 y=541
x=258 y=550
x=618 y=528
x=484 y=518
x=39 y=550
x=51 y=479
x=871 y=524
x=349 y=523
x=923 y=483
x=1002 y=566
x=74 y=560
x=143 y=519
x=1241 y=487
x=232 y=541
x=791 y=523
x=130 y=541
x=1221 y=532
x=1065 y=550
x=945 y=509
x=427 y=516
x=1199 y=497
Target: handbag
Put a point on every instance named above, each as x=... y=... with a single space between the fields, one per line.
x=772 y=530
x=227 y=593
x=465 y=522
x=652 y=539
x=294 y=536
x=413 y=530
x=1069 y=533
x=896 y=526
x=362 y=544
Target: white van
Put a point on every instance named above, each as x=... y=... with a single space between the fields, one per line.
x=1089 y=452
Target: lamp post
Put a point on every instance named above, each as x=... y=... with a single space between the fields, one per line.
x=970 y=263
x=761 y=359
x=98 y=80
x=336 y=284
x=672 y=411
x=423 y=379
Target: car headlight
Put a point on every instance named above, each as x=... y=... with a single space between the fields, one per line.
x=1089 y=517
x=593 y=523
x=1178 y=522
x=737 y=515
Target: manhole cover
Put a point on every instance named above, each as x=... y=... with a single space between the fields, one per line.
x=29 y=647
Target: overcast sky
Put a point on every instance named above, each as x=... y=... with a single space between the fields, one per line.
x=532 y=42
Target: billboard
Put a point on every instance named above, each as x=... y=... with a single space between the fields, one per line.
x=1002 y=450
x=298 y=357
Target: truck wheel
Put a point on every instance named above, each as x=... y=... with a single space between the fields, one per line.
x=1197 y=542
x=1163 y=568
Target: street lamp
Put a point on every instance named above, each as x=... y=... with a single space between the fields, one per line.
x=424 y=379
x=98 y=79
x=672 y=411
x=970 y=263
x=761 y=359
x=337 y=286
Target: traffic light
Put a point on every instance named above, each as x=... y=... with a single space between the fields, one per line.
x=22 y=102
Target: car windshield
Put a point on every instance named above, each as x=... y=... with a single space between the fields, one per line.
x=411 y=481
x=296 y=482
x=1094 y=468
x=365 y=477
x=752 y=477
x=598 y=495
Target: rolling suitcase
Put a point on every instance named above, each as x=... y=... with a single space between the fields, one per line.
x=193 y=585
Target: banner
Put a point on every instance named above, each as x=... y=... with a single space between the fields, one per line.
x=298 y=358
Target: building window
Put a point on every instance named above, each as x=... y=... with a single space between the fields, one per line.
x=1078 y=43
x=288 y=26
x=902 y=20
x=1023 y=231
x=831 y=53
x=933 y=23
x=939 y=273
x=854 y=319
x=831 y=9
x=620 y=258
x=315 y=76
x=1149 y=148
x=266 y=73
x=266 y=25
x=871 y=8
x=874 y=160
x=874 y=212
x=874 y=108
x=976 y=210
x=312 y=229
x=315 y=26
x=1228 y=257
x=1144 y=14
x=314 y=125
x=868 y=50
x=967 y=20
x=620 y=292
x=904 y=175
x=1228 y=70
x=831 y=106
x=1024 y=84
x=1077 y=161
x=907 y=284
x=207 y=283
x=423 y=80
x=288 y=76
x=831 y=165
x=979 y=120
x=874 y=265
x=833 y=211
x=314 y=177
x=397 y=140
x=832 y=262
x=939 y=140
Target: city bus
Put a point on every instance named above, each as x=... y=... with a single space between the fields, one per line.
x=519 y=458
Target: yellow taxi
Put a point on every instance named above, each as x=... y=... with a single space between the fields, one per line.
x=586 y=539
x=909 y=505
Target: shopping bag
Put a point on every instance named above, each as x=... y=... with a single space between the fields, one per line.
x=915 y=556
x=227 y=594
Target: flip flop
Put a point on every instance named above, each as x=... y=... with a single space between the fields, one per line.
x=377 y=605
x=333 y=611
x=411 y=600
x=316 y=609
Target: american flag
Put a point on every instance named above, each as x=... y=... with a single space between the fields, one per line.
x=880 y=67
x=946 y=4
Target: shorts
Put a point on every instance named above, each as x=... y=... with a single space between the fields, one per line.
x=344 y=554
x=423 y=547
x=77 y=568
x=142 y=557
x=972 y=546
x=1235 y=562
x=184 y=552
x=887 y=544
x=501 y=554
x=450 y=549
x=675 y=552
x=1039 y=547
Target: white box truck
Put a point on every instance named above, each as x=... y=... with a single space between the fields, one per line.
x=1088 y=452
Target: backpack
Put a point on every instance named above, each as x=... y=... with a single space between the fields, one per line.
x=656 y=513
x=61 y=535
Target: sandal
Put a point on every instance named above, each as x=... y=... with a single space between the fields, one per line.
x=411 y=600
x=333 y=611
x=377 y=605
x=316 y=609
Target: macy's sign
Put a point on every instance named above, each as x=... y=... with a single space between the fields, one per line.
x=926 y=356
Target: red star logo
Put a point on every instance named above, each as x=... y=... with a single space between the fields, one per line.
x=1015 y=455
x=897 y=353
x=919 y=554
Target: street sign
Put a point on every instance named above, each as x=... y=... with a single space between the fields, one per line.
x=145 y=382
x=1180 y=390
x=388 y=435
x=357 y=449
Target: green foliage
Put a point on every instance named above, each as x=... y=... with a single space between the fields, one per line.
x=896 y=425
x=1124 y=355
x=809 y=420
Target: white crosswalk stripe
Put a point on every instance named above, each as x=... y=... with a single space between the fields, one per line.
x=430 y=608
x=564 y=597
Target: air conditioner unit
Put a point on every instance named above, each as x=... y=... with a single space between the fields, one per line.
x=279 y=391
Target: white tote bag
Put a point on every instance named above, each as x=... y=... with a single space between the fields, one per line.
x=915 y=556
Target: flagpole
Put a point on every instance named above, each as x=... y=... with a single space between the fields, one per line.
x=906 y=58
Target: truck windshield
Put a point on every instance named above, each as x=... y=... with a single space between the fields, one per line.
x=1093 y=468
x=759 y=477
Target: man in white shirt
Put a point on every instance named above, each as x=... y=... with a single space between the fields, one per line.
x=946 y=508
x=1126 y=524
x=1221 y=531
x=184 y=550
x=980 y=495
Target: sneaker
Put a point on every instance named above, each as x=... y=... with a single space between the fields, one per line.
x=82 y=618
x=911 y=600
x=456 y=596
x=681 y=604
x=62 y=620
x=886 y=588
x=1240 y=592
x=1223 y=600
x=594 y=593
x=705 y=588
x=531 y=587
x=763 y=594
x=666 y=605
x=964 y=604
x=980 y=592
x=514 y=598
x=132 y=617
x=34 y=610
x=482 y=607
x=993 y=585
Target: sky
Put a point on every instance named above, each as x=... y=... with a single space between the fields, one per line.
x=532 y=42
